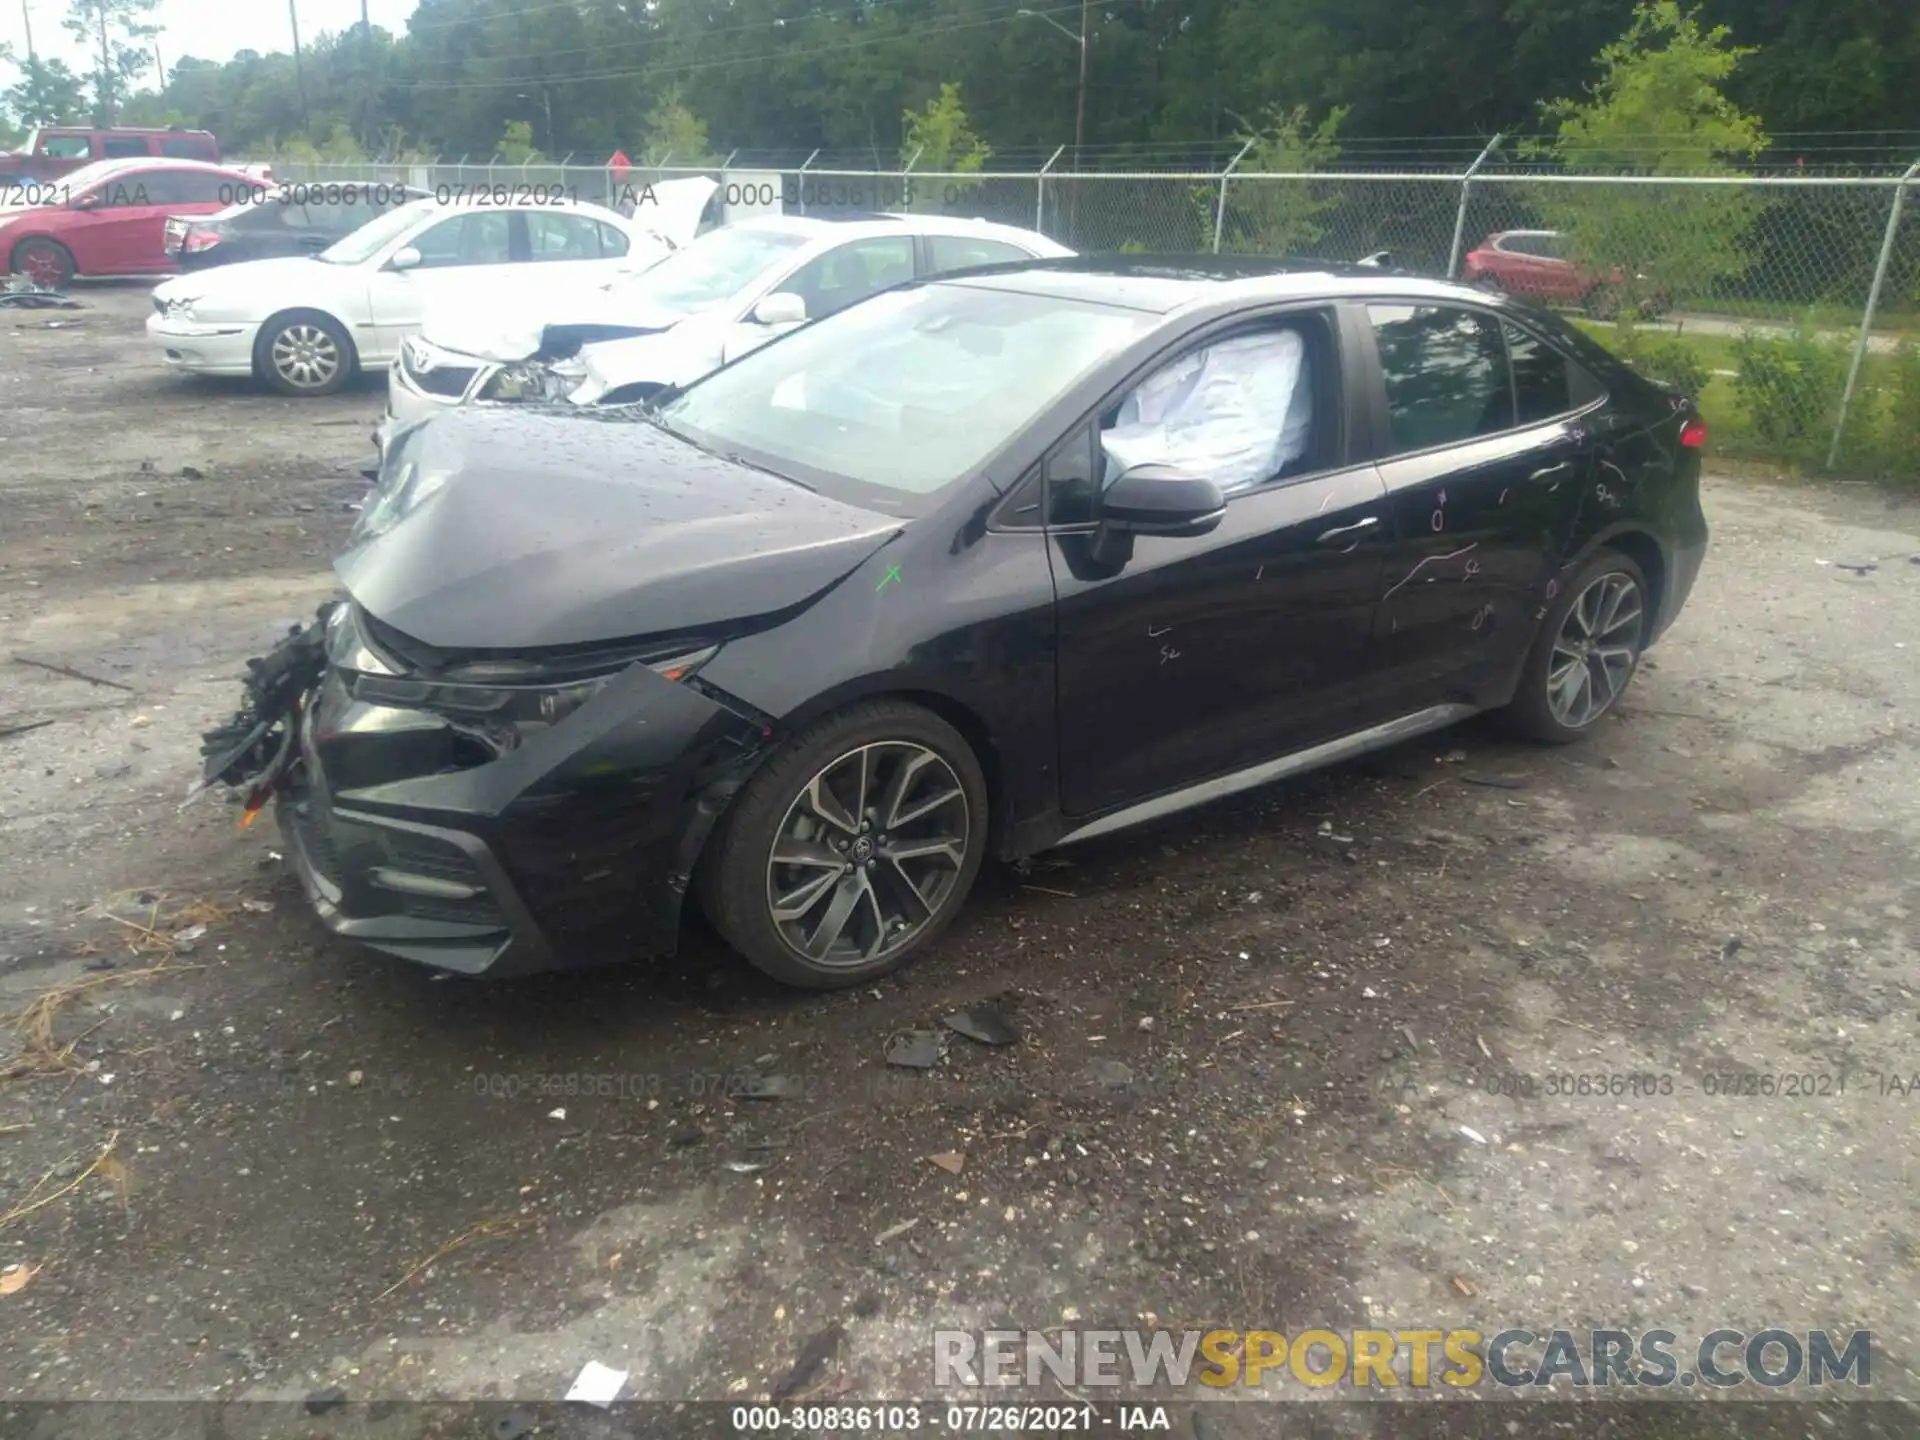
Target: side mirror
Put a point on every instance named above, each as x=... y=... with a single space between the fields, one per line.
x=780 y=309
x=90 y=201
x=1155 y=500
x=405 y=258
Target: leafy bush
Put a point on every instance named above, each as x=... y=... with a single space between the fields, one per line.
x=1789 y=386
x=1895 y=433
x=1670 y=360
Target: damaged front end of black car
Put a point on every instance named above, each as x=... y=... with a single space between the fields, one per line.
x=494 y=754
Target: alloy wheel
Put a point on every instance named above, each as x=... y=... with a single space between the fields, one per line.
x=305 y=356
x=44 y=264
x=868 y=854
x=1596 y=650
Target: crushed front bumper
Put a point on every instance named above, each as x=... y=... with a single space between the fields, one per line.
x=573 y=849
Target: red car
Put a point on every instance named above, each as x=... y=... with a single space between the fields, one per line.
x=1534 y=264
x=109 y=218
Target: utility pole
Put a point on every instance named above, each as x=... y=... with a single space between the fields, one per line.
x=26 y=19
x=106 y=74
x=159 y=64
x=299 y=71
x=1080 y=102
x=366 y=78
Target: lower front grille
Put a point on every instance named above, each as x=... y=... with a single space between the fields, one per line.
x=449 y=381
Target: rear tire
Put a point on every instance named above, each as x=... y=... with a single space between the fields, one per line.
x=45 y=262
x=881 y=814
x=302 y=353
x=1586 y=652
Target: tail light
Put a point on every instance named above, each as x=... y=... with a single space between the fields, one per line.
x=1693 y=434
x=198 y=240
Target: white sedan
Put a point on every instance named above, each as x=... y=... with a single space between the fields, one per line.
x=304 y=325
x=730 y=291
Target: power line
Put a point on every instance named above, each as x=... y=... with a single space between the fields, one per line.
x=1002 y=12
x=700 y=65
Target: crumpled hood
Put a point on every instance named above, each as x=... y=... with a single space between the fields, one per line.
x=677 y=358
x=673 y=207
x=503 y=329
x=555 y=529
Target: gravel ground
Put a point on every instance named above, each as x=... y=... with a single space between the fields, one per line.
x=1254 y=1040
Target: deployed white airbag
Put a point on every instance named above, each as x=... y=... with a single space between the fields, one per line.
x=1237 y=412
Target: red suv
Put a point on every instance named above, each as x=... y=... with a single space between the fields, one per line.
x=1534 y=264
x=56 y=150
x=109 y=218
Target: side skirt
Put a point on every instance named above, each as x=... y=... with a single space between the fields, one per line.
x=1330 y=752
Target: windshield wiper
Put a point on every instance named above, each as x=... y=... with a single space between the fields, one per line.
x=763 y=469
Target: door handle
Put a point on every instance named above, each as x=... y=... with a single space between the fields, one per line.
x=1327 y=537
x=1551 y=470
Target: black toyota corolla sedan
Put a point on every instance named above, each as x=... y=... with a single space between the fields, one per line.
x=981 y=566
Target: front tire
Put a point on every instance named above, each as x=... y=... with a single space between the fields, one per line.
x=849 y=852
x=45 y=262
x=302 y=352
x=1586 y=653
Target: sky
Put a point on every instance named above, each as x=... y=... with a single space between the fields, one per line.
x=207 y=29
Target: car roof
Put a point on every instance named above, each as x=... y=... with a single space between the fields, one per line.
x=870 y=223
x=159 y=162
x=1163 y=284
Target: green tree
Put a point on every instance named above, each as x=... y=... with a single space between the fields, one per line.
x=516 y=143
x=1659 y=108
x=673 y=132
x=47 y=93
x=117 y=33
x=940 y=138
x=1278 y=217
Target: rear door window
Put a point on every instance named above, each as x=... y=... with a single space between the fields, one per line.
x=1445 y=371
x=122 y=146
x=1546 y=384
x=958 y=252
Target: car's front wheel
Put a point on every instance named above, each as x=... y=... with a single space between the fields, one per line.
x=302 y=352
x=852 y=849
x=1586 y=652
x=45 y=262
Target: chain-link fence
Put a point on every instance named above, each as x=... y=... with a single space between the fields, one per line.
x=1790 y=304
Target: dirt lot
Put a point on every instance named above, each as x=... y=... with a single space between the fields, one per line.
x=1254 y=1039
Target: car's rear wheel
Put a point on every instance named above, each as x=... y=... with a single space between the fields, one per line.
x=302 y=352
x=1586 y=653
x=850 y=851
x=45 y=262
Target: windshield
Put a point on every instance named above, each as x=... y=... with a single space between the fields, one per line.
x=375 y=235
x=908 y=391
x=719 y=264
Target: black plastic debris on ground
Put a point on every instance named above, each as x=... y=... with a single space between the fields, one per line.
x=916 y=1049
x=1866 y=569
x=983 y=1023
x=813 y=1355
x=321 y=1401
x=1497 y=782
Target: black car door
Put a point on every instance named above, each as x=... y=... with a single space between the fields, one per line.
x=1201 y=656
x=1481 y=493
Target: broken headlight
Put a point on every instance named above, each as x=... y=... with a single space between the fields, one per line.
x=530 y=380
x=510 y=711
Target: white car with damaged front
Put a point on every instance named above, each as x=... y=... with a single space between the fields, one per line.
x=305 y=325
x=731 y=291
